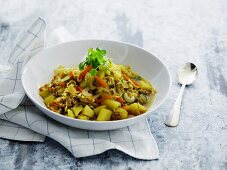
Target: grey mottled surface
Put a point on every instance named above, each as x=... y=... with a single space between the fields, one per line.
x=174 y=30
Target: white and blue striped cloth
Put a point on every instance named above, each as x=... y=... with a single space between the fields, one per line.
x=21 y=120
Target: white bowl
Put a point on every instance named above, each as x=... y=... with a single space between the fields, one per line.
x=39 y=70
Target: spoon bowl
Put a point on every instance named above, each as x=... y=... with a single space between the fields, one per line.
x=186 y=75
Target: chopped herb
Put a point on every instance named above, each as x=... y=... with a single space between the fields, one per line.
x=82 y=65
x=93 y=72
x=137 y=78
x=96 y=58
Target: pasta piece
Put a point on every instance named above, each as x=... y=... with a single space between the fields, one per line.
x=128 y=99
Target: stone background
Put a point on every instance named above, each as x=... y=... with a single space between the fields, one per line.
x=176 y=31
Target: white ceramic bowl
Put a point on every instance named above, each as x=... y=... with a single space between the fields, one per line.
x=39 y=70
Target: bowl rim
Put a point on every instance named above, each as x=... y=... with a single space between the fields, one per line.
x=89 y=121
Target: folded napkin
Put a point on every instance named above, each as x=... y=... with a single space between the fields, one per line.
x=21 y=120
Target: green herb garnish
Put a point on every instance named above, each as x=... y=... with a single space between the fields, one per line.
x=95 y=58
x=137 y=78
x=82 y=65
x=93 y=72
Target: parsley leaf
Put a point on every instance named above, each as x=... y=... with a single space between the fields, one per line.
x=93 y=72
x=138 y=78
x=96 y=58
x=81 y=66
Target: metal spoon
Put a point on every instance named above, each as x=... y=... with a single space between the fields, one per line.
x=186 y=75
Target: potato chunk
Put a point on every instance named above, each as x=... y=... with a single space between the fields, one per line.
x=70 y=113
x=136 y=109
x=82 y=117
x=71 y=89
x=142 y=109
x=98 y=109
x=77 y=110
x=145 y=85
x=111 y=104
x=101 y=74
x=104 y=115
x=88 y=111
x=48 y=100
x=119 y=113
x=44 y=93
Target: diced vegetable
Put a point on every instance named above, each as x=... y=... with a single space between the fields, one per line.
x=101 y=74
x=72 y=74
x=120 y=113
x=48 y=100
x=126 y=107
x=70 y=113
x=145 y=85
x=98 y=109
x=60 y=70
x=83 y=73
x=83 y=84
x=104 y=115
x=101 y=81
x=135 y=84
x=119 y=99
x=107 y=72
x=65 y=78
x=77 y=110
x=111 y=104
x=44 y=93
x=117 y=75
x=89 y=79
x=104 y=98
x=142 y=109
x=78 y=88
x=82 y=117
x=71 y=89
x=62 y=84
x=88 y=111
x=134 y=109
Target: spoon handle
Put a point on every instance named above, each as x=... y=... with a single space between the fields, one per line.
x=173 y=117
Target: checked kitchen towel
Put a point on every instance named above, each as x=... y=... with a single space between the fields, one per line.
x=21 y=120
